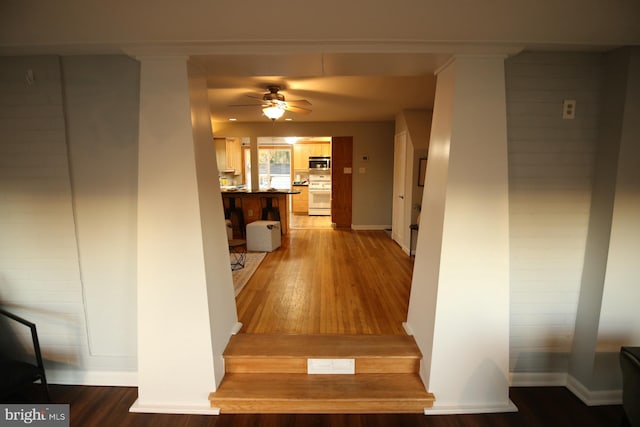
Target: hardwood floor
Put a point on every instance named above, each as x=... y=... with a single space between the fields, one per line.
x=306 y=222
x=329 y=282
x=538 y=406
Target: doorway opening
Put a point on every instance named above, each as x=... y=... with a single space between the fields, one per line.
x=323 y=278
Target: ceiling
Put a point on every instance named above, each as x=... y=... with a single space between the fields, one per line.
x=340 y=87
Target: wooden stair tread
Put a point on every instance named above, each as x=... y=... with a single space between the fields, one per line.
x=322 y=346
x=301 y=393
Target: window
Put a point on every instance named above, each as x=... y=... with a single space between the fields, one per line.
x=274 y=166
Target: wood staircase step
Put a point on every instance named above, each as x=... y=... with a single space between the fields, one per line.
x=271 y=353
x=301 y=393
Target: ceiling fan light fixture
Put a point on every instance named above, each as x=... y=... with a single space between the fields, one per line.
x=273 y=112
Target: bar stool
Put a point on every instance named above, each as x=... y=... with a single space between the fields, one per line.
x=232 y=209
x=269 y=208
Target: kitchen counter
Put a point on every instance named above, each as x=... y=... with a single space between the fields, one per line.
x=263 y=192
x=252 y=202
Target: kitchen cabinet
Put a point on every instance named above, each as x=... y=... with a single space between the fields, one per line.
x=220 y=145
x=234 y=155
x=300 y=202
x=300 y=157
x=301 y=153
x=229 y=155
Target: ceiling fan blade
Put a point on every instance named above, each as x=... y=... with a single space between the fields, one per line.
x=295 y=109
x=246 y=105
x=298 y=102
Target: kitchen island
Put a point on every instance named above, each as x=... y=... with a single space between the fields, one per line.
x=253 y=201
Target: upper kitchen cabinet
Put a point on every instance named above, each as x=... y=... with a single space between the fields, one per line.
x=319 y=149
x=301 y=153
x=234 y=155
x=300 y=157
x=229 y=155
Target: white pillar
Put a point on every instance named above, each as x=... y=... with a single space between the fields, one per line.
x=459 y=307
x=186 y=307
x=607 y=316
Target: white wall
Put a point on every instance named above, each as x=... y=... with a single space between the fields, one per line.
x=40 y=270
x=101 y=111
x=550 y=177
x=38 y=252
x=372 y=190
x=574 y=219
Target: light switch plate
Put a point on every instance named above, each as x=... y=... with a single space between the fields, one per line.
x=331 y=366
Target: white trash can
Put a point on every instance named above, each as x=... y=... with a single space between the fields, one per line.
x=263 y=236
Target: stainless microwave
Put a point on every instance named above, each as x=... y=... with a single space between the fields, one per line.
x=319 y=162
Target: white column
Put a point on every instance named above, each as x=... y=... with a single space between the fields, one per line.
x=186 y=307
x=459 y=306
x=607 y=316
x=619 y=318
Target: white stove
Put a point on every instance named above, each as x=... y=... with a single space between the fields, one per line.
x=320 y=193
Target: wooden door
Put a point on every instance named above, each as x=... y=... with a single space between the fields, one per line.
x=398 y=225
x=341 y=180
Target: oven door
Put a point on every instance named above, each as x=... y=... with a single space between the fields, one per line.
x=319 y=202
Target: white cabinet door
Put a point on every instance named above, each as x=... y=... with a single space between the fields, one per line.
x=398 y=226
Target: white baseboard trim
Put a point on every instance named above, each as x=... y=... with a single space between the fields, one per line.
x=407 y=328
x=591 y=397
x=537 y=379
x=370 y=227
x=563 y=379
x=95 y=378
x=458 y=410
x=236 y=328
x=168 y=409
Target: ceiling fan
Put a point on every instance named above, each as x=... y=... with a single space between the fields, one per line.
x=274 y=105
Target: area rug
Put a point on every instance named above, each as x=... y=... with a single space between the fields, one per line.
x=242 y=275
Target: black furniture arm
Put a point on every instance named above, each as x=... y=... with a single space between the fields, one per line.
x=630 y=366
x=30 y=372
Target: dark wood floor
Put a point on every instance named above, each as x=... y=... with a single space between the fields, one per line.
x=538 y=406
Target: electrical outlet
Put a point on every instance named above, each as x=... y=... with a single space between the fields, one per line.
x=569 y=109
x=250 y=212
